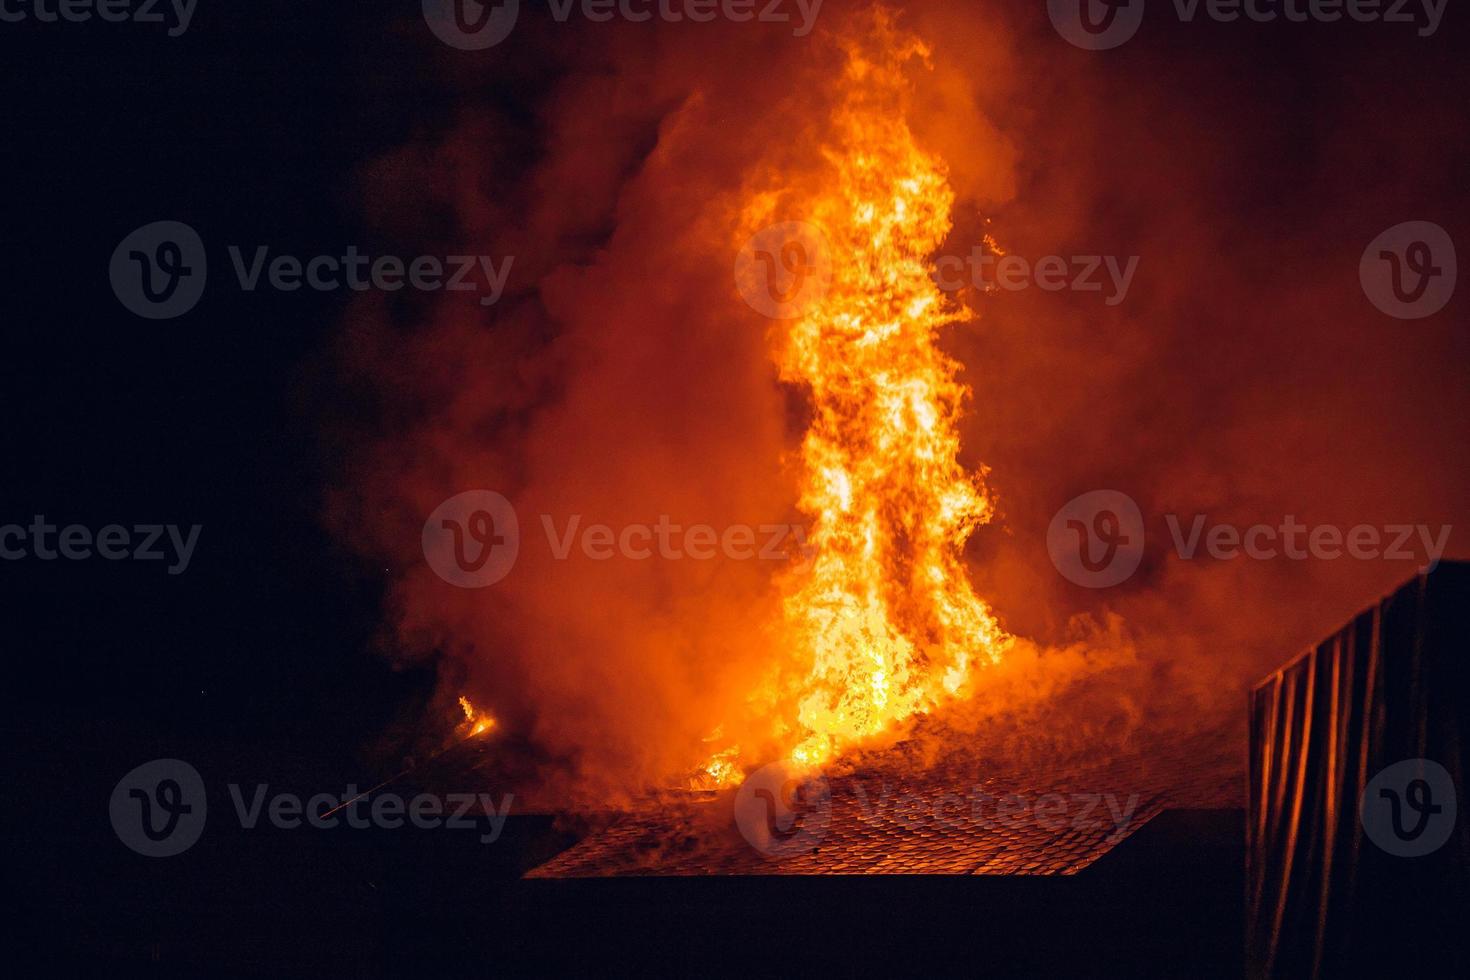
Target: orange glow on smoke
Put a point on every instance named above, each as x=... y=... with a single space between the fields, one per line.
x=883 y=620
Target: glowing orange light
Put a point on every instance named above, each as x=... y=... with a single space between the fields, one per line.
x=883 y=623
x=475 y=722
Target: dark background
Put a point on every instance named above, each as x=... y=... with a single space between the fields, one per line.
x=257 y=665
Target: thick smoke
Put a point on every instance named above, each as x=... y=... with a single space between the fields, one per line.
x=1244 y=376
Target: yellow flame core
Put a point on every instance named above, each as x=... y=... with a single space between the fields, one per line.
x=884 y=613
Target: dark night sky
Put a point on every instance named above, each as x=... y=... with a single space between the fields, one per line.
x=247 y=128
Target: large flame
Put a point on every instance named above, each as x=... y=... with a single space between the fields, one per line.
x=883 y=619
x=882 y=623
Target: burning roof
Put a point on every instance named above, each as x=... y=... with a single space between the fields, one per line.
x=968 y=812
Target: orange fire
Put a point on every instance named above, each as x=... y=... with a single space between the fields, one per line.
x=883 y=619
x=475 y=722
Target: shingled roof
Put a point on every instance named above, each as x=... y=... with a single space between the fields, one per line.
x=914 y=810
